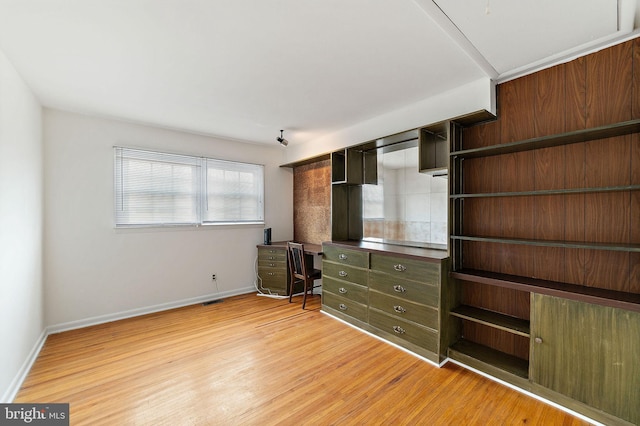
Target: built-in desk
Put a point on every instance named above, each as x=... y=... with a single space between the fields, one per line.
x=273 y=273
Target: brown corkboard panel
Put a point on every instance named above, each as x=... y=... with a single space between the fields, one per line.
x=312 y=202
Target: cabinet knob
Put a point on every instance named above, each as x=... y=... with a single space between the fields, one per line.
x=538 y=340
x=342 y=256
x=343 y=273
x=399 y=309
x=398 y=289
x=342 y=290
x=398 y=330
x=399 y=267
x=342 y=307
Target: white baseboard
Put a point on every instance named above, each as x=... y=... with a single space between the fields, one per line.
x=17 y=381
x=15 y=385
x=101 y=319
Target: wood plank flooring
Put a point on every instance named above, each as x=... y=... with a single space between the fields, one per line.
x=257 y=361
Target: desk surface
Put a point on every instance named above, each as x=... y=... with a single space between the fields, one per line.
x=309 y=248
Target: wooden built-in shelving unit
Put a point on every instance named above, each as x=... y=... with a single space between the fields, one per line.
x=544 y=208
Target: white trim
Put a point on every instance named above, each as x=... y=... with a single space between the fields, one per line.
x=101 y=319
x=435 y=364
x=17 y=381
x=532 y=395
x=567 y=56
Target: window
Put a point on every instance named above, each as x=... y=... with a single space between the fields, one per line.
x=156 y=189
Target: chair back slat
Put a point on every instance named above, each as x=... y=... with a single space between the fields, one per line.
x=298 y=264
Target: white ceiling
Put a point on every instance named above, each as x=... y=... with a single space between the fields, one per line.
x=244 y=69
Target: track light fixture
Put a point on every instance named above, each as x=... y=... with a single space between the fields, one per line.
x=282 y=140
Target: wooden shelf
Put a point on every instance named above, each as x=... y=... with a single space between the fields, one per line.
x=548 y=192
x=617 y=129
x=550 y=243
x=598 y=296
x=493 y=319
x=488 y=359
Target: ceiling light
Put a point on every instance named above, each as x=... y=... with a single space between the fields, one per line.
x=282 y=140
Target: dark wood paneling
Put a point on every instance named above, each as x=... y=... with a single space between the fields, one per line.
x=635 y=159
x=482 y=217
x=635 y=87
x=607 y=269
x=501 y=340
x=549 y=168
x=481 y=175
x=576 y=95
x=481 y=135
x=550 y=101
x=549 y=225
x=517 y=109
x=517 y=171
x=609 y=76
x=608 y=162
x=607 y=217
x=482 y=256
x=498 y=299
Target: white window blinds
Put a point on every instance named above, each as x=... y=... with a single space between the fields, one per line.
x=156 y=189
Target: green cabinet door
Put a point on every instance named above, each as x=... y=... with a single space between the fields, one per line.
x=587 y=352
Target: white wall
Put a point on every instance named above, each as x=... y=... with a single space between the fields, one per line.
x=94 y=272
x=21 y=299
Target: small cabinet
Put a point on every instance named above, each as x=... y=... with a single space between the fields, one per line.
x=272 y=269
x=588 y=353
x=434 y=141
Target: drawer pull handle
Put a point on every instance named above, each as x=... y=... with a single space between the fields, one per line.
x=399 y=267
x=342 y=256
x=398 y=289
x=399 y=309
x=343 y=273
x=272 y=264
x=538 y=340
x=270 y=273
x=342 y=307
x=398 y=330
x=272 y=258
x=342 y=290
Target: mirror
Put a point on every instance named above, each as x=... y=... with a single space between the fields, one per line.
x=405 y=207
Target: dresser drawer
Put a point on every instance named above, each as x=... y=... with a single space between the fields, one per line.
x=272 y=264
x=404 y=309
x=345 y=273
x=346 y=256
x=410 y=269
x=408 y=290
x=348 y=290
x=404 y=330
x=345 y=306
x=277 y=254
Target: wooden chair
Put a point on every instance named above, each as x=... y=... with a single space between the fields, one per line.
x=301 y=269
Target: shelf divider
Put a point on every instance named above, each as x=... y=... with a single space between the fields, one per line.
x=608 y=131
x=489 y=360
x=493 y=319
x=550 y=243
x=598 y=296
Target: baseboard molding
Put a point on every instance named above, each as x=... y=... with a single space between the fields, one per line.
x=101 y=319
x=17 y=381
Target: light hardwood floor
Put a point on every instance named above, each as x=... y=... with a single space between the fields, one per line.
x=257 y=361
